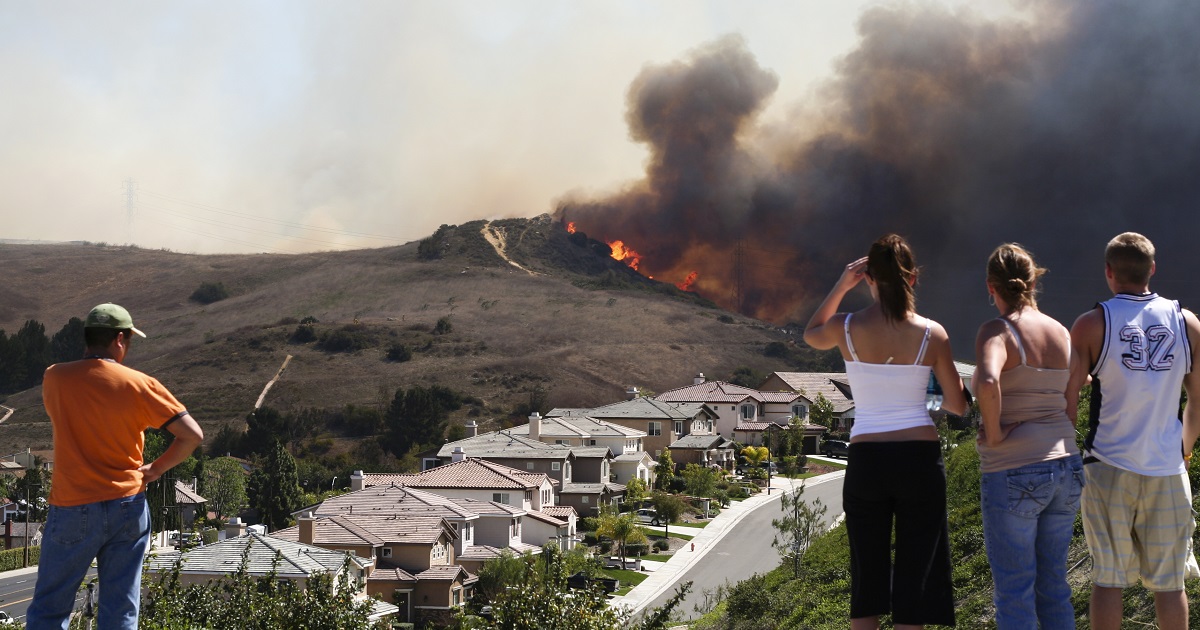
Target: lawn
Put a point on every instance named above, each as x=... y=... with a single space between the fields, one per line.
x=692 y=525
x=650 y=533
x=629 y=579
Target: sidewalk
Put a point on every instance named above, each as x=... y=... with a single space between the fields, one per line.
x=666 y=576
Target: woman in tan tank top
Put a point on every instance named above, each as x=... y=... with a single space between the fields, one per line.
x=1032 y=475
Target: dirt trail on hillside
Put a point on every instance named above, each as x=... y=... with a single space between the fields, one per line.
x=500 y=243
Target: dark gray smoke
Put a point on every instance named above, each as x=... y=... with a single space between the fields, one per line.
x=1058 y=130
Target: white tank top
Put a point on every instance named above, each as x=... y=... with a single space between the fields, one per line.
x=1135 y=421
x=888 y=397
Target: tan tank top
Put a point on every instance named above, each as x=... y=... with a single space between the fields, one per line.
x=1031 y=398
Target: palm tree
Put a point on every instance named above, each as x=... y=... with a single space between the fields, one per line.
x=623 y=529
x=756 y=455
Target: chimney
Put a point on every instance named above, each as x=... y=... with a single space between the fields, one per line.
x=631 y=393
x=699 y=379
x=472 y=429
x=195 y=485
x=535 y=426
x=234 y=528
x=458 y=454
x=305 y=522
x=356 y=481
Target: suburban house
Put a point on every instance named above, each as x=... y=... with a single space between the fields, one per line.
x=415 y=566
x=573 y=427
x=663 y=422
x=188 y=502
x=811 y=386
x=515 y=509
x=584 y=473
x=266 y=556
x=18 y=533
x=710 y=451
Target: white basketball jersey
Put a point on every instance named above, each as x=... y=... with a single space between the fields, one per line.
x=1135 y=410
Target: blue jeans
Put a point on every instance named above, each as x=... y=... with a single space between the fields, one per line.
x=115 y=533
x=1028 y=517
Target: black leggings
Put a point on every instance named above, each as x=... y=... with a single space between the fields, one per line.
x=904 y=482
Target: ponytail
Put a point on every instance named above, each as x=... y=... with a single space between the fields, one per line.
x=891 y=265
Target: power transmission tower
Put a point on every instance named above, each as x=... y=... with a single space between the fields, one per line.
x=130 y=207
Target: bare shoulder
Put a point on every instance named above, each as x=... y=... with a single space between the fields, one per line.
x=1090 y=322
x=991 y=328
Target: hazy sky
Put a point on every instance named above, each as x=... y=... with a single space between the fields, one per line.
x=299 y=126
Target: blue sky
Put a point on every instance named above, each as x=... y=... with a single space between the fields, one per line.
x=301 y=126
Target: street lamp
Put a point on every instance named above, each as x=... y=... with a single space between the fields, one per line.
x=333 y=484
x=28 y=506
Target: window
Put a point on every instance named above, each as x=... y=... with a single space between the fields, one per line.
x=591 y=442
x=748 y=411
x=800 y=411
x=500 y=497
x=679 y=426
x=438 y=552
x=528 y=465
x=583 y=499
x=556 y=466
x=387 y=552
x=563 y=442
x=457 y=597
x=655 y=428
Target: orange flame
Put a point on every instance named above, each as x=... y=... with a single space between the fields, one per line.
x=626 y=254
x=687 y=283
x=570 y=227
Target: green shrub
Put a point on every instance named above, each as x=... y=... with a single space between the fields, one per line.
x=637 y=549
x=661 y=545
x=443 y=326
x=15 y=558
x=304 y=333
x=210 y=292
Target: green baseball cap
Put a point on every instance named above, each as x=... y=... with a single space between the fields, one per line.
x=111 y=316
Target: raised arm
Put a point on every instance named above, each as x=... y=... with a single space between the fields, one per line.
x=1191 y=384
x=1087 y=336
x=824 y=330
x=991 y=353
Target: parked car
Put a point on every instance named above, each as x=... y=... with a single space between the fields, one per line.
x=648 y=515
x=5 y=620
x=835 y=448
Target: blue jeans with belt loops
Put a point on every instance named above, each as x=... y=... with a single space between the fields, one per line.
x=1028 y=517
x=115 y=533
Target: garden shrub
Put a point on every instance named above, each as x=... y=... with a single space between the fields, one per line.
x=209 y=292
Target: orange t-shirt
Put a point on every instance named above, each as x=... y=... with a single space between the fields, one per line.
x=99 y=409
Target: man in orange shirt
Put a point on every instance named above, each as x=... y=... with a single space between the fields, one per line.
x=99 y=409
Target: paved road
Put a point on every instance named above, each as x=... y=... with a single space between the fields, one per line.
x=16 y=589
x=746 y=548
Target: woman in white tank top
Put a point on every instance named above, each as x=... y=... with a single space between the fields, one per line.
x=1032 y=475
x=895 y=471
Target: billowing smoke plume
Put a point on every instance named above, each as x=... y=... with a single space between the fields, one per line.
x=1057 y=129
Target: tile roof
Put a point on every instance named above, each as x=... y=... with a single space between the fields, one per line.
x=710 y=392
x=589 y=452
x=546 y=518
x=374 y=530
x=18 y=528
x=635 y=456
x=505 y=444
x=579 y=425
x=591 y=488
x=387 y=500
x=480 y=552
x=651 y=409
x=391 y=575
x=699 y=441
x=184 y=495
x=446 y=572
x=470 y=473
x=266 y=553
x=832 y=385
x=563 y=512
x=489 y=508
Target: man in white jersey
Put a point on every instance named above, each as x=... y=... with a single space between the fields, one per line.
x=1138 y=349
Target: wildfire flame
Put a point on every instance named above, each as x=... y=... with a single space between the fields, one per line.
x=687 y=283
x=570 y=227
x=623 y=253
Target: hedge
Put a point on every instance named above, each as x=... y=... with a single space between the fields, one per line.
x=15 y=558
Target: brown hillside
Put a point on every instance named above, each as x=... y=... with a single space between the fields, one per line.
x=568 y=319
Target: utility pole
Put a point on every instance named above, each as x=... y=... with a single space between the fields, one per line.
x=130 y=207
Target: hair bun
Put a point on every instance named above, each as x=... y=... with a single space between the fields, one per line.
x=1017 y=285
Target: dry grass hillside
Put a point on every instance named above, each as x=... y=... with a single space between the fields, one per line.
x=558 y=315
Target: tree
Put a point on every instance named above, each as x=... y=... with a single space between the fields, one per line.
x=755 y=455
x=622 y=529
x=274 y=490
x=635 y=491
x=664 y=470
x=821 y=412
x=225 y=486
x=801 y=524
x=500 y=573
x=67 y=343
x=700 y=481
x=544 y=604
x=417 y=417
x=669 y=508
